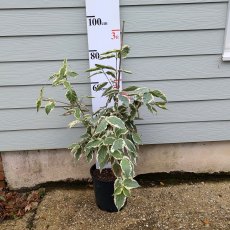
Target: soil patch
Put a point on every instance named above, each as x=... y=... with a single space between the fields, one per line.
x=106 y=175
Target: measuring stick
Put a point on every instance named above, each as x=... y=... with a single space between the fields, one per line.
x=103 y=25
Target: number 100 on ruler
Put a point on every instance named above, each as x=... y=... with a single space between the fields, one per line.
x=103 y=25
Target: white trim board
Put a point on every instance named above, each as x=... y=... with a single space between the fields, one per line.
x=226 y=50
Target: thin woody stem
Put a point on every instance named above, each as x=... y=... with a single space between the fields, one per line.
x=122 y=40
x=49 y=99
x=107 y=78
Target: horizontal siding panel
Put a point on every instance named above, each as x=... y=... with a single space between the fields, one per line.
x=162 y=68
x=177 y=112
x=177 y=90
x=151 y=134
x=142 y=44
x=81 y=3
x=137 y=18
x=185 y=132
x=26 y=96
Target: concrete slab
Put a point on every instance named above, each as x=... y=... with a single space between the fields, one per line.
x=203 y=205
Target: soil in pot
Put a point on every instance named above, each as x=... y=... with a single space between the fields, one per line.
x=104 y=188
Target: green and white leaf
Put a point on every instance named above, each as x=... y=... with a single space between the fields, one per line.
x=131 y=88
x=116 y=122
x=63 y=69
x=103 y=163
x=133 y=112
x=133 y=157
x=38 y=104
x=102 y=156
x=148 y=98
x=118 y=182
x=107 y=90
x=102 y=126
x=49 y=107
x=111 y=51
x=102 y=57
x=131 y=183
x=99 y=72
x=71 y=96
x=151 y=108
x=77 y=113
x=119 y=201
x=117 y=172
x=130 y=146
x=118 y=144
x=105 y=67
x=136 y=138
x=125 y=51
x=89 y=157
x=101 y=86
x=77 y=154
x=74 y=147
x=94 y=144
x=118 y=191
x=126 y=192
x=124 y=100
x=161 y=105
x=72 y=74
x=67 y=85
x=109 y=140
x=142 y=90
x=126 y=167
x=120 y=132
x=74 y=123
x=125 y=71
x=117 y=154
x=92 y=69
x=110 y=73
x=159 y=94
x=39 y=100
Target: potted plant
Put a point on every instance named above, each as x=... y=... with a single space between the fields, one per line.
x=110 y=133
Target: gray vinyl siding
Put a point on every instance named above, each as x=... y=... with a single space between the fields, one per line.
x=176 y=47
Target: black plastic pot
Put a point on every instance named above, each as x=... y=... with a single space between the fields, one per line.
x=103 y=193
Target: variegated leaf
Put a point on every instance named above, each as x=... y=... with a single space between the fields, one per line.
x=116 y=169
x=102 y=126
x=118 y=144
x=116 y=122
x=117 y=154
x=136 y=138
x=102 y=156
x=126 y=192
x=131 y=183
x=130 y=146
x=94 y=144
x=119 y=201
x=109 y=140
x=49 y=107
x=126 y=167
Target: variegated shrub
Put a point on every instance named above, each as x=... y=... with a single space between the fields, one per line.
x=110 y=133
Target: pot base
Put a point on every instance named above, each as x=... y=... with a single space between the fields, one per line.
x=103 y=192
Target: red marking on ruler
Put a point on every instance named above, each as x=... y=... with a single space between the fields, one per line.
x=115 y=34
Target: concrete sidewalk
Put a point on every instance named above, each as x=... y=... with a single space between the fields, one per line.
x=202 y=205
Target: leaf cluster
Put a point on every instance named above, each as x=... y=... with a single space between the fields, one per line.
x=110 y=133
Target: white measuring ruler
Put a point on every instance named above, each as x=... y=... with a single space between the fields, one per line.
x=103 y=24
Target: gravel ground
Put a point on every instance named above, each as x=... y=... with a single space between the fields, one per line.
x=202 y=205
